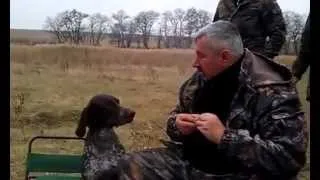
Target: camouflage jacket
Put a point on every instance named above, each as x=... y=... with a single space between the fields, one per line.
x=256 y=20
x=303 y=60
x=265 y=125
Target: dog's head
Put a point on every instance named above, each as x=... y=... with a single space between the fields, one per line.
x=103 y=111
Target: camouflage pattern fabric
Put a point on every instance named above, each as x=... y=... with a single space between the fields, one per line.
x=264 y=133
x=265 y=126
x=256 y=20
x=300 y=66
x=164 y=164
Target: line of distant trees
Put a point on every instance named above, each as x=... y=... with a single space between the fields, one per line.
x=170 y=29
x=173 y=29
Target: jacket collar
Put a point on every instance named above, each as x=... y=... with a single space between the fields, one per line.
x=259 y=70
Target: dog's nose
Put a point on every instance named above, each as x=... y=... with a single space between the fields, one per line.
x=132 y=114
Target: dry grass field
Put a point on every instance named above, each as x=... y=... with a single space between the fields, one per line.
x=51 y=84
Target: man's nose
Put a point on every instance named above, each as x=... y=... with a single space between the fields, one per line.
x=195 y=63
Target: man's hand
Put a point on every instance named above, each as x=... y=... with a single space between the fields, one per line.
x=211 y=127
x=186 y=123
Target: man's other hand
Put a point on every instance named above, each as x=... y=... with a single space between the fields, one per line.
x=211 y=127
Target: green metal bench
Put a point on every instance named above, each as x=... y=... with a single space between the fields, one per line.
x=53 y=165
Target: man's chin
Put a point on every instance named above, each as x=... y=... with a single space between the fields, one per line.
x=201 y=74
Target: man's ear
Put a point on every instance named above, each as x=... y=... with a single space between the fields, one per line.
x=226 y=57
x=82 y=124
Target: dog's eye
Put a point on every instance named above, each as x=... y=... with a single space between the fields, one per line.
x=117 y=100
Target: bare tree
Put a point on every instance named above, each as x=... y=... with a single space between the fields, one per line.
x=174 y=27
x=120 y=26
x=72 y=22
x=130 y=35
x=191 y=26
x=192 y=21
x=55 y=26
x=52 y=25
x=179 y=15
x=204 y=18
x=98 y=27
x=145 y=20
x=165 y=27
x=67 y=26
x=159 y=37
x=294 y=23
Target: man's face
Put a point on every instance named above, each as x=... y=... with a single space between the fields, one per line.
x=208 y=62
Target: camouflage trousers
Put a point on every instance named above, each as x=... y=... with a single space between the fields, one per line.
x=161 y=164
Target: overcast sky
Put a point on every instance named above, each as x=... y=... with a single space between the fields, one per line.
x=31 y=14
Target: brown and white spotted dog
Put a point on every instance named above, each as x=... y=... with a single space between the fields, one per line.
x=102 y=148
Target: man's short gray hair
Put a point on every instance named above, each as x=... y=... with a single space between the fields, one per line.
x=221 y=34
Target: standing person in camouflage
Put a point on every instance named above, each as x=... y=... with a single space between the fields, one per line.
x=256 y=20
x=238 y=117
x=302 y=62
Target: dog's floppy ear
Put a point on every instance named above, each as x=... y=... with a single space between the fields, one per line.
x=82 y=124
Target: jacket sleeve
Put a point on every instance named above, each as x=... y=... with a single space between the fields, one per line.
x=275 y=28
x=186 y=93
x=302 y=62
x=172 y=129
x=278 y=147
